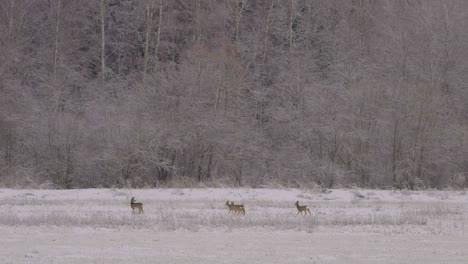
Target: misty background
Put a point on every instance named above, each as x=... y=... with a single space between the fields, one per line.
x=296 y=93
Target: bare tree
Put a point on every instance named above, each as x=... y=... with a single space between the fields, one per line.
x=149 y=23
x=103 y=40
x=298 y=92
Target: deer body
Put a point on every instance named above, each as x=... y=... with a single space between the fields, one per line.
x=236 y=208
x=134 y=205
x=302 y=208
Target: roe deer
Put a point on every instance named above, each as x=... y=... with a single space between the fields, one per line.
x=230 y=207
x=302 y=208
x=239 y=208
x=236 y=208
x=134 y=205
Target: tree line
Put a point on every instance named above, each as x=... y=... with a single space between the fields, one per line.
x=296 y=93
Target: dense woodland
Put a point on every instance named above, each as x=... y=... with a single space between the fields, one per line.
x=296 y=93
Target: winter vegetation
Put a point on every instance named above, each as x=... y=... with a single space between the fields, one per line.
x=233 y=131
x=297 y=93
x=205 y=209
x=195 y=226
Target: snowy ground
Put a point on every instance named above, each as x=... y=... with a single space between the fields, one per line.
x=192 y=226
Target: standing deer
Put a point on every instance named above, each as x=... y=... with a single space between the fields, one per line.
x=239 y=208
x=236 y=208
x=302 y=208
x=134 y=205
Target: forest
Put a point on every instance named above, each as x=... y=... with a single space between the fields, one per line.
x=277 y=93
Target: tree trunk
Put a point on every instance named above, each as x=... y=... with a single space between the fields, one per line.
x=395 y=154
x=56 y=40
x=11 y=20
x=260 y=106
x=239 y=174
x=210 y=162
x=291 y=31
x=219 y=93
x=265 y=41
x=238 y=17
x=149 y=20
x=158 y=36
x=196 y=31
x=103 y=44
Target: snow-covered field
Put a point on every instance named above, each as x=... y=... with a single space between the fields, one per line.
x=192 y=226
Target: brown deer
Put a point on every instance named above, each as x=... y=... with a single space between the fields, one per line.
x=134 y=205
x=236 y=208
x=302 y=208
x=239 y=208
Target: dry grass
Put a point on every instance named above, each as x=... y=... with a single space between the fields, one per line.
x=211 y=214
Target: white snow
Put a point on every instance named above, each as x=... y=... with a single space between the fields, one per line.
x=192 y=226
